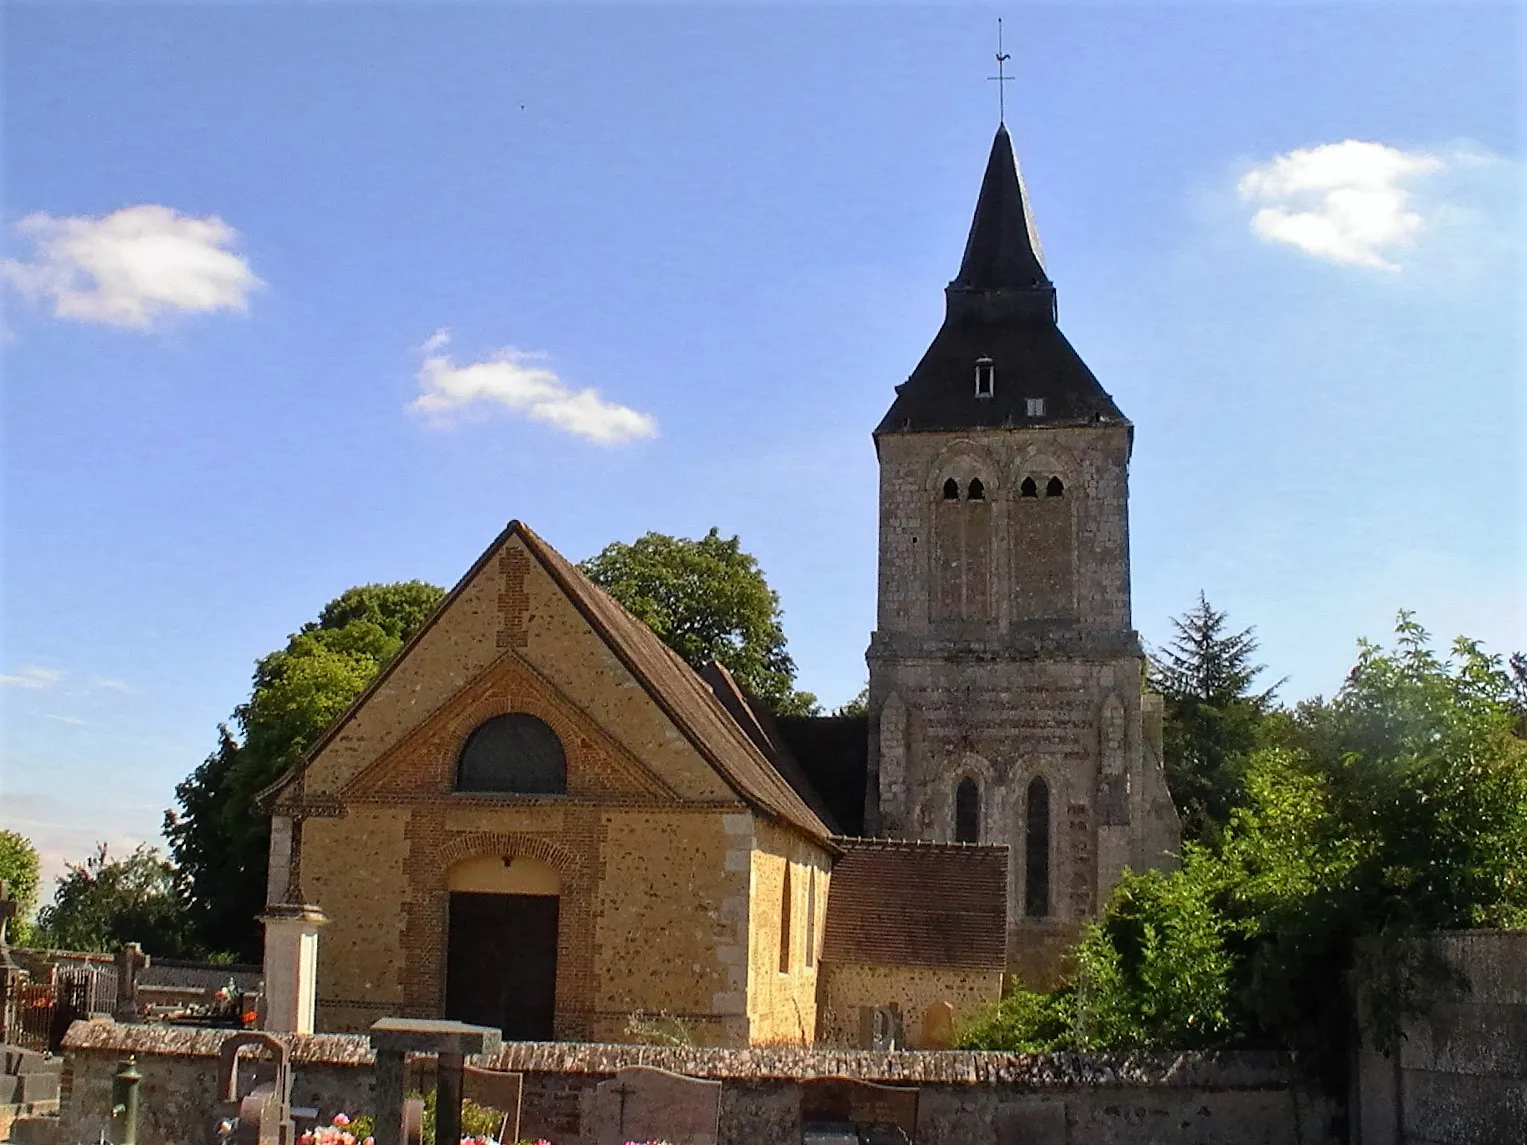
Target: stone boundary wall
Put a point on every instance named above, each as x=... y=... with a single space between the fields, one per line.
x=1460 y=1076
x=966 y=1098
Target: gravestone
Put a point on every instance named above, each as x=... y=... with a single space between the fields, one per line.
x=499 y=1091
x=28 y=1076
x=392 y=1039
x=263 y=1114
x=644 y=1104
x=881 y=1029
x=130 y=960
x=938 y=1026
x=876 y=1114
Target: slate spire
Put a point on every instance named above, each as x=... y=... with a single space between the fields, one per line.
x=1000 y=325
x=1002 y=274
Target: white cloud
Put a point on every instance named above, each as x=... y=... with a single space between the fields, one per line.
x=133 y=266
x=65 y=719
x=1343 y=202
x=520 y=381
x=111 y=685
x=32 y=677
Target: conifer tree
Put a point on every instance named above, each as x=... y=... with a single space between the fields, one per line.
x=1212 y=715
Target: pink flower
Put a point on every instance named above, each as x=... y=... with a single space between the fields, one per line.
x=341 y=1119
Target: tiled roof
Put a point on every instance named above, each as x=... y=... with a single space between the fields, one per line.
x=899 y=903
x=760 y=724
x=680 y=692
x=832 y=752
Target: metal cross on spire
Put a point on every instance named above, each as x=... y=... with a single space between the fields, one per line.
x=1001 y=78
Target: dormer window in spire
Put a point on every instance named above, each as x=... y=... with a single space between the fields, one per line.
x=1034 y=407
x=986 y=377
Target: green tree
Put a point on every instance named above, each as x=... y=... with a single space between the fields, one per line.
x=1212 y=716
x=707 y=600
x=858 y=706
x=103 y=902
x=1395 y=809
x=219 y=839
x=21 y=872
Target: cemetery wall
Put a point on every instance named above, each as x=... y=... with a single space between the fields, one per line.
x=846 y=987
x=1460 y=1076
x=786 y=918
x=965 y=1098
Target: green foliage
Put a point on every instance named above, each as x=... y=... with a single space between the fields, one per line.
x=1154 y=970
x=476 y=1120
x=707 y=600
x=21 y=872
x=1023 y=1022
x=104 y=902
x=219 y=839
x=858 y=706
x=1395 y=809
x=1212 y=717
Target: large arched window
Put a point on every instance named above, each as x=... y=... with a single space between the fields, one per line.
x=967 y=812
x=1036 y=850
x=514 y=753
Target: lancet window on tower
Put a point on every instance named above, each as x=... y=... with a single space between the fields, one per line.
x=1036 y=850
x=977 y=491
x=1029 y=488
x=951 y=490
x=967 y=812
x=1054 y=487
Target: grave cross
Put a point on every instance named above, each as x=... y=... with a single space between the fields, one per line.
x=130 y=960
x=622 y=1091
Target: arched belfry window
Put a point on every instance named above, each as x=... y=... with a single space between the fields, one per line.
x=977 y=491
x=1028 y=488
x=1036 y=850
x=951 y=490
x=1054 y=488
x=967 y=812
x=513 y=754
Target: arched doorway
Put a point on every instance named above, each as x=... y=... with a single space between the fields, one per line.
x=501 y=948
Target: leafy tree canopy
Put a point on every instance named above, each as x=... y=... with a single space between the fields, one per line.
x=1212 y=716
x=20 y=870
x=707 y=600
x=1397 y=808
x=104 y=902
x=219 y=839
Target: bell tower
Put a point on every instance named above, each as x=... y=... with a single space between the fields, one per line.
x=1006 y=700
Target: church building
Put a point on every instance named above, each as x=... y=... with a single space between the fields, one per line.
x=538 y=817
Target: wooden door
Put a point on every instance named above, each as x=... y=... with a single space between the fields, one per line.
x=501 y=963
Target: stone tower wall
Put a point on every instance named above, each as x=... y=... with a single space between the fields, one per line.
x=1004 y=654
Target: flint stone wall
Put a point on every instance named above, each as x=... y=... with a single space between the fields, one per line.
x=966 y=1098
x=1460 y=1076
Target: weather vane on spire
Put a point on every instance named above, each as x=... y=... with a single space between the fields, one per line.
x=1001 y=77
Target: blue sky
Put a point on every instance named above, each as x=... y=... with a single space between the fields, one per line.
x=299 y=297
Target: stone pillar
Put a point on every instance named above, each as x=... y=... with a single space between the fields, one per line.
x=291 y=967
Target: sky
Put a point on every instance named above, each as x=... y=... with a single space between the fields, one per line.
x=299 y=297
